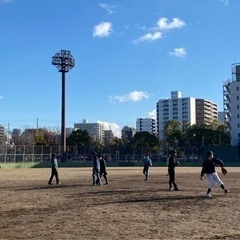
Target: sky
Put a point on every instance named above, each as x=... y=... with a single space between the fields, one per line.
x=128 y=55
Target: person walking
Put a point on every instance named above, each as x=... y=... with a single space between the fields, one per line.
x=103 y=170
x=172 y=163
x=54 y=172
x=96 y=170
x=147 y=163
x=208 y=168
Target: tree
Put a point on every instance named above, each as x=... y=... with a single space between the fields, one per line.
x=44 y=137
x=144 y=142
x=78 y=137
x=173 y=134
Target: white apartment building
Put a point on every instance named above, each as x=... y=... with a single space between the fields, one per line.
x=146 y=124
x=231 y=100
x=95 y=130
x=175 y=108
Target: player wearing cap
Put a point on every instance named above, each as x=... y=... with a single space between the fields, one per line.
x=208 y=168
x=172 y=163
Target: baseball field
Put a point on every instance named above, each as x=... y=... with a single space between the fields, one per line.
x=127 y=208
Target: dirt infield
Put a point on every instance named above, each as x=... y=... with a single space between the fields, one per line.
x=127 y=208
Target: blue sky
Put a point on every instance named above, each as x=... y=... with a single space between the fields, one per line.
x=128 y=54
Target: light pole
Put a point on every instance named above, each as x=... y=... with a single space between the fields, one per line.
x=63 y=61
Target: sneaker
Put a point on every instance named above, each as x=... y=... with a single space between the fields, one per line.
x=177 y=189
x=225 y=191
x=208 y=195
x=106 y=183
x=58 y=183
x=170 y=189
x=49 y=183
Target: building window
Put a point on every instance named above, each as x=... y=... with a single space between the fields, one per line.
x=237 y=88
x=237 y=97
x=237 y=106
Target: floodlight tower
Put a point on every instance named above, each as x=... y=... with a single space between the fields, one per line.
x=63 y=61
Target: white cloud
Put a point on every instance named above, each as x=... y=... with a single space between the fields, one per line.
x=152 y=114
x=1 y=97
x=134 y=96
x=149 y=37
x=116 y=129
x=164 y=24
x=108 y=8
x=103 y=29
x=178 y=52
x=5 y=1
x=225 y=2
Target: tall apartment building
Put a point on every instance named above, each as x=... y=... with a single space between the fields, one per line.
x=221 y=117
x=128 y=133
x=95 y=130
x=206 y=111
x=146 y=124
x=231 y=101
x=108 y=135
x=175 y=108
x=1 y=134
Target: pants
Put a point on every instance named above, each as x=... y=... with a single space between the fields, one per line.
x=213 y=178
x=96 y=177
x=146 y=171
x=54 y=173
x=171 y=172
x=104 y=174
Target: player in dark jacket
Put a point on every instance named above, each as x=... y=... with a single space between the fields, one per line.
x=103 y=169
x=208 y=168
x=172 y=163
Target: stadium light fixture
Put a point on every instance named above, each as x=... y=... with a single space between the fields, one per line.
x=64 y=62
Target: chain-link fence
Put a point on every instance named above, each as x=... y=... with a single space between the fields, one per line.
x=37 y=153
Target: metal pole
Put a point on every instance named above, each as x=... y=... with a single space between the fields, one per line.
x=63 y=61
x=63 y=131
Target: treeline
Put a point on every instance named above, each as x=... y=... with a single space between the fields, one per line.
x=175 y=135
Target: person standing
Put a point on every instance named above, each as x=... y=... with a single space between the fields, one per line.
x=54 y=172
x=172 y=163
x=96 y=170
x=147 y=163
x=208 y=168
x=103 y=169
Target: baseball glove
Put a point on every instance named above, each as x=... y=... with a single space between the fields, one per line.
x=224 y=171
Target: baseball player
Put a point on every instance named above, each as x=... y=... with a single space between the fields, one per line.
x=147 y=163
x=103 y=169
x=172 y=163
x=208 y=168
x=54 y=172
x=96 y=170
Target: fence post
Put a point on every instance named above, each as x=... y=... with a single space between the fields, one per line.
x=33 y=151
x=5 y=154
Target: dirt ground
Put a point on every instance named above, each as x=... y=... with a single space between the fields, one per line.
x=127 y=208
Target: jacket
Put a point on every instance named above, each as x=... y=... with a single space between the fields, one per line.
x=208 y=166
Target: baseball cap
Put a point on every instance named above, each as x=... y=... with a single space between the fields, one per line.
x=209 y=153
x=174 y=151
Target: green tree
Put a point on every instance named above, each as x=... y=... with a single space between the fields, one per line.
x=144 y=142
x=173 y=134
x=79 y=137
